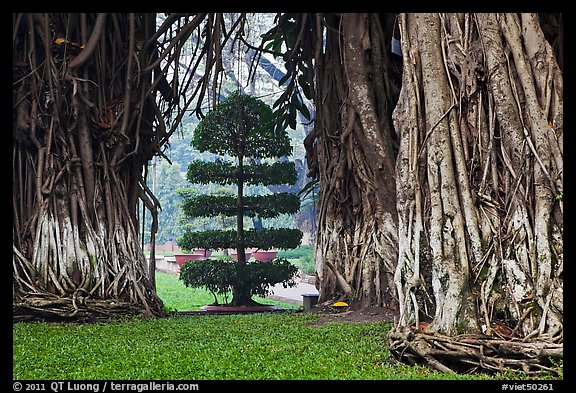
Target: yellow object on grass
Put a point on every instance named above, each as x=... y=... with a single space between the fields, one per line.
x=60 y=41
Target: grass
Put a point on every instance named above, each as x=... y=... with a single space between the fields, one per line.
x=257 y=346
x=267 y=346
x=296 y=253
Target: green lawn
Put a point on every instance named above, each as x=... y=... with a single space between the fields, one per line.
x=278 y=346
x=261 y=346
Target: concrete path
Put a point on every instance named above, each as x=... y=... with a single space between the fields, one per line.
x=292 y=295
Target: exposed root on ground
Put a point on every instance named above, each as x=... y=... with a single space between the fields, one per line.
x=475 y=353
x=51 y=308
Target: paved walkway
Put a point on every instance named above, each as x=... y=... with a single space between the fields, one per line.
x=292 y=295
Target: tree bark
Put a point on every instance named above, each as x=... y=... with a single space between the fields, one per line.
x=355 y=252
x=479 y=192
x=76 y=253
x=87 y=120
x=450 y=260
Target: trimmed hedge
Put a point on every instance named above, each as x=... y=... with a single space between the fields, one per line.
x=241 y=123
x=264 y=206
x=264 y=239
x=254 y=278
x=225 y=173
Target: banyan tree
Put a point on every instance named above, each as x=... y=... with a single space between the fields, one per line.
x=445 y=197
x=350 y=150
x=95 y=97
x=480 y=187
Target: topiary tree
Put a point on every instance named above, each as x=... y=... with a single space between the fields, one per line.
x=242 y=127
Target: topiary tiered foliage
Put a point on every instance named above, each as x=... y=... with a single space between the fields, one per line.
x=242 y=127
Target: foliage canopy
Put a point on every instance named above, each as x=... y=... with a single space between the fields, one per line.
x=282 y=238
x=242 y=126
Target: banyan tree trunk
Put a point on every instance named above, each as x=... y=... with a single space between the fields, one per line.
x=82 y=135
x=355 y=254
x=479 y=176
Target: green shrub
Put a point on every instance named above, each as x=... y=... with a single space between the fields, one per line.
x=224 y=172
x=263 y=206
x=242 y=123
x=282 y=238
x=252 y=278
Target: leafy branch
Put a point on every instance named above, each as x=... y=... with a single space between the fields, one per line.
x=264 y=206
x=226 y=173
x=282 y=238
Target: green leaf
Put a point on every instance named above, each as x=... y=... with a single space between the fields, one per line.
x=304 y=110
x=284 y=79
x=297 y=101
x=277 y=45
x=280 y=99
x=291 y=118
x=303 y=83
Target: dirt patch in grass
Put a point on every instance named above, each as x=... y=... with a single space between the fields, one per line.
x=369 y=314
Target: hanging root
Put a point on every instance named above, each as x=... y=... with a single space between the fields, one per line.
x=476 y=353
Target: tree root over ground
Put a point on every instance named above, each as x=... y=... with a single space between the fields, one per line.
x=51 y=308
x=475 y=353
